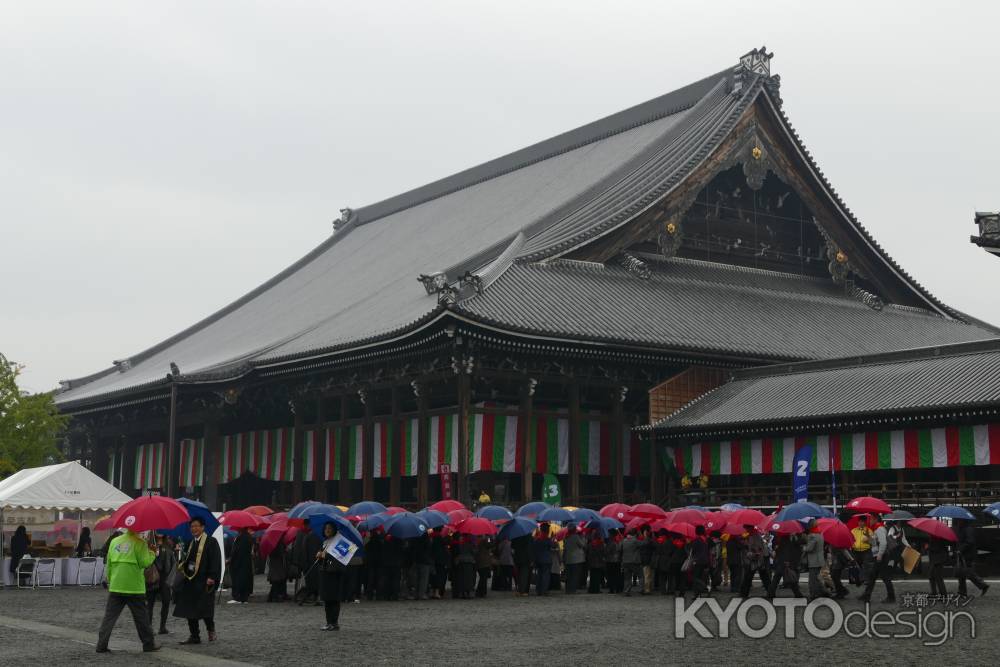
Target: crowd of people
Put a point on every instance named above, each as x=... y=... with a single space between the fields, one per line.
x=445 y=563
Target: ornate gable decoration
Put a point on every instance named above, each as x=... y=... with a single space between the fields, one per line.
x=757 y=61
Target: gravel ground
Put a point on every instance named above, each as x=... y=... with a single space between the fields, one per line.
x=502 y=629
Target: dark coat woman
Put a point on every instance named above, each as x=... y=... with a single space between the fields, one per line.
x=241 y=566
x=330 y=572
x=441 y=562
x=83 y=547
x=18 y=547
x=595 y=563
x=159 y=590
x=937 y=550
x=465 y=564
x=484 y=564
x=199 y=570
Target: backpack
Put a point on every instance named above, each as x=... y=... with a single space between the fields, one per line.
x=152 y=575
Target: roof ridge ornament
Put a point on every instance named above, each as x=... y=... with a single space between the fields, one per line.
x=347 y=215
x=757 y=62
x=989 y=232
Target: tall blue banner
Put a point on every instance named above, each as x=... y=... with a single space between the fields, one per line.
x=800 y=473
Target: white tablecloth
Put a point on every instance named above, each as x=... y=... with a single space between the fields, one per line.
x=65 y=572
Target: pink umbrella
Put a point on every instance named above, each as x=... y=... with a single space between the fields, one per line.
x=835 y=533
x=647 y=511
x=279 y=531
x=615 y=511
x=747 y=517
x=785 y=528
x=456 y=517
x=693 y=517
x=447 y=506
x=685 y=529
x=733 y=529
x=238 y=519
x=934 y=528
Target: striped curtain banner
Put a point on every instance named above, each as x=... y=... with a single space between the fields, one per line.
x=331 y=453
x=355 y=447
x=192 y=463
x=549 y=440
x=382 y=435
x=595 y=447
x=495 y=443
x=311 y=470
x=945 y=447
x=267 y=454
x=635 y=454
x=150 y=465
x=409 y=447
x=443 y=435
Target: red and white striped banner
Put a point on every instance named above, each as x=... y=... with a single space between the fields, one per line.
x=192 y=462
x=150 y=466
x=443 y=437
x=268 y=454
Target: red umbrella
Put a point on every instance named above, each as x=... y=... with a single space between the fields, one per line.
x=647 y=511
x=733 y=529
x=785 y=528
x=150 y=513
x=747 y=517
x=868 y=504
x=764 y=524
x=456 y=517
x=615 y=511
x=447 y=506
x=279 y=531
x=259 y=510
x=107 y=523
x=835 y=533
x=934 y=528
x=693 y=517
x=395 y=510
x=853 y=521
x=475 y=525
x=685 y=529
x=637 y=522
x=716 y=521
x=238 y=519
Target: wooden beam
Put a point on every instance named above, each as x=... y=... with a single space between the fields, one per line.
x=574 y=443
x=526 y=435
x=423 y=452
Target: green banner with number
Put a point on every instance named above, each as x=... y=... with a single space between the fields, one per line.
x=551 y=493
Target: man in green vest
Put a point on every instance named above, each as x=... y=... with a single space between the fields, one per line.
x=128 y=557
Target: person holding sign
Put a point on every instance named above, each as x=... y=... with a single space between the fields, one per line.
x=332 y=559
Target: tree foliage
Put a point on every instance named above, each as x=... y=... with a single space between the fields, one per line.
x=30 y=424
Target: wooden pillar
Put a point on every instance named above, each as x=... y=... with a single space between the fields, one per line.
x=655 y=471
x=394 y=445
x=527 y=435
x=345 y=488
x=464 y=413
x=213 y=454
x=961 y=477
x=172 y=467
x=618 y=443
x=423 y=451
x=298 y=454
x=574 y=443
x=367 y=458
x=321 y=423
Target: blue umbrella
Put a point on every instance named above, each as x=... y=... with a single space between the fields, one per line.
x=194 y=509
x=494 y=513
x=343 y=526
x=584 y=514
x=556 y=514
x=531 y=510
x=519 y=526
x=731 y=507
x=433 y=518
x=605 y=524
x=805 y=510
x=993 y=510
x=372 y=521
x=319 y=509
x=406 y=525
x=951 y=512
x=297 y=511
x=365 y=507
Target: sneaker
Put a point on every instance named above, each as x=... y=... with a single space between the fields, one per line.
x=335 y=626
x=234 y=602
x=152 y=647
x=327 y=627
x=192 y=640
x=103 y=649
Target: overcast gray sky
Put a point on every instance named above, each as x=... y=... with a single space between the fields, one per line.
x=157 y=160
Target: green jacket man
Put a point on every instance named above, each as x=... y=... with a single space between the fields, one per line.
x=128 y=557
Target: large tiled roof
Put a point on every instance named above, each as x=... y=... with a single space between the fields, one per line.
x=962 y=376
x=705 y=307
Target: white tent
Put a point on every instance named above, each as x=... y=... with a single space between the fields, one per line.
x=64 y=486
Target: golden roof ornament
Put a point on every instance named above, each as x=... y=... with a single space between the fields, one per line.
x=756 y=152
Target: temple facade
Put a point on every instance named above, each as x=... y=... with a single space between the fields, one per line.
x=527 y=316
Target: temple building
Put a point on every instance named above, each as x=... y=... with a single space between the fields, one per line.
x=522 y=317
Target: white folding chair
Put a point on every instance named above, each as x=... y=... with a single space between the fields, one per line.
x=86 y=573
x=45 y=570
x=26 y=571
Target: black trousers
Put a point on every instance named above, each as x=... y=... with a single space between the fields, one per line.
x=502 y=578
x=242 y=585
x=613 y=575
x=278 y=592
x=439 y=578
x=332 y=609
x=699 y=578
x=936 y=577
x=371 y=581
x=464 y=576
x=964 y=571
x=161 y=593
x=484 y=575
x=523 y=579
x=349 y=583
x=543 y=578
x=880 y=570
x=140 y=616
x=390 y=581
x=573 y=576
x=747 y=579
x=784 y=571
x=193 y=626
x=837 y=574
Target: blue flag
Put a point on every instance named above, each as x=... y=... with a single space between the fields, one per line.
x=800 y=473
